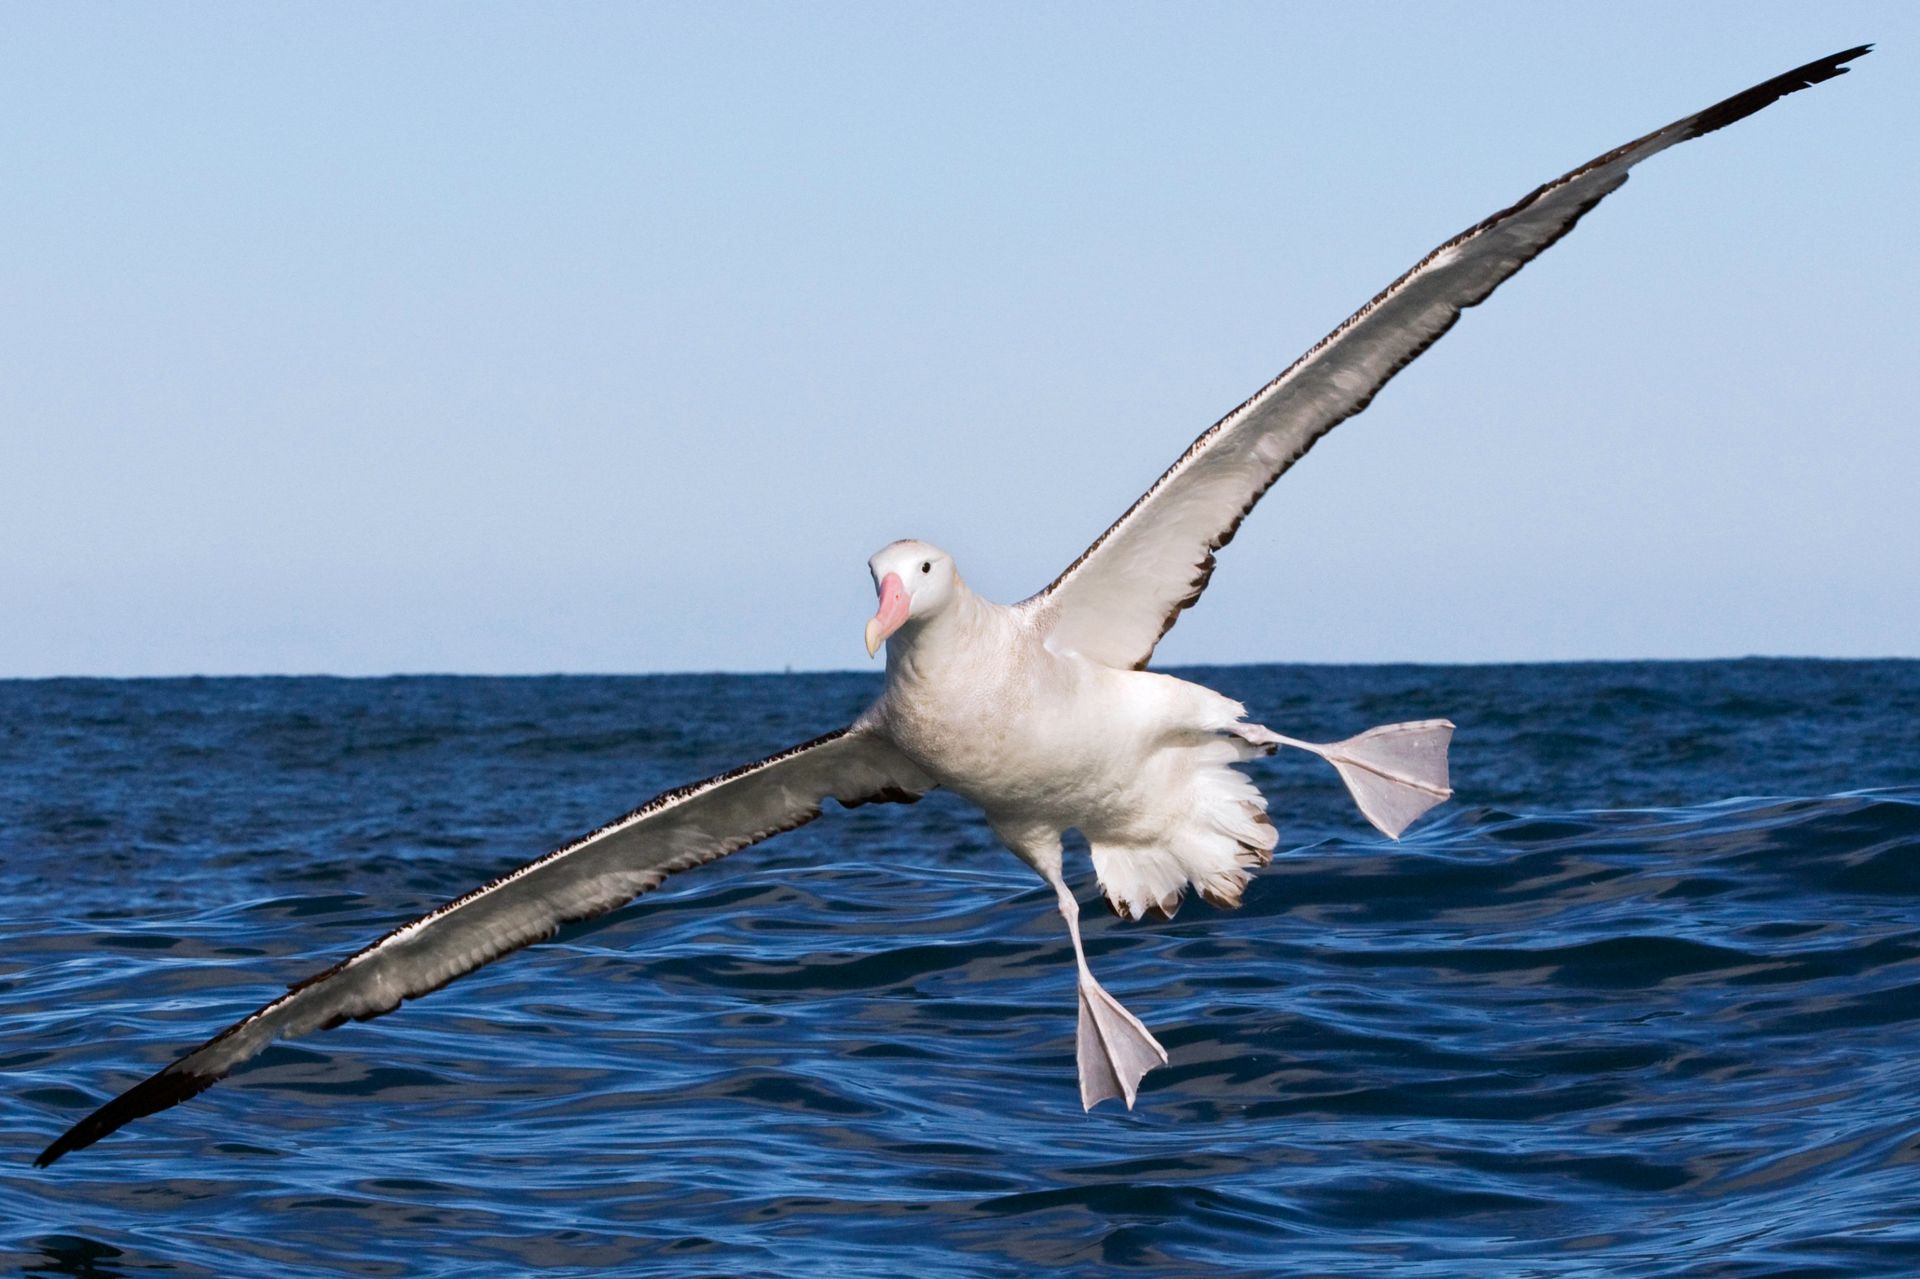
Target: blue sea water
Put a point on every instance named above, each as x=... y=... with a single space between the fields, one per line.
x=1644 y=1000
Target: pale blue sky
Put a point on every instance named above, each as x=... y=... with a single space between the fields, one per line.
x=615 y=337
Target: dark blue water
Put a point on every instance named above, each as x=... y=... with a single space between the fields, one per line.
x=1645 y=1000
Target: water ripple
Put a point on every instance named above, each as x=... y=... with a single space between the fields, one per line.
x=1643 y=1002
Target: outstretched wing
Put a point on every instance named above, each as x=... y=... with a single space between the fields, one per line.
x=588 y=877
x=1115 y=602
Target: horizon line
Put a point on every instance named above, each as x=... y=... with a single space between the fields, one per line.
x=878 y=670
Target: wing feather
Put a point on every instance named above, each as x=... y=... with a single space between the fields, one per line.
x=1126 y=590
x=588 y=877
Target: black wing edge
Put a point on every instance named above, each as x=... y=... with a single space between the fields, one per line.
x=1760 y=96
x=172 y=1084
x=155 y=1093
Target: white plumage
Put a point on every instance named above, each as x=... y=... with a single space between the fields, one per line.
x=1041 y=712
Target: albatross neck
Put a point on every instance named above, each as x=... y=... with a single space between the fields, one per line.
x=926 y=646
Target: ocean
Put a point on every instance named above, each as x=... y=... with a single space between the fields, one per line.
x=1642 y=1000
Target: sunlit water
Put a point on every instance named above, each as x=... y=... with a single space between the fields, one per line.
x=1644 y=1000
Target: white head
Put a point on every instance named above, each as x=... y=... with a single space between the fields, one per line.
x=915 y=580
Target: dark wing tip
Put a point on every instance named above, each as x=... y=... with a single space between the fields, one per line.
x=170 y=1087
x=1743 y=104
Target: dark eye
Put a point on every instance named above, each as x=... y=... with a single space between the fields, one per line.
x=927 y=567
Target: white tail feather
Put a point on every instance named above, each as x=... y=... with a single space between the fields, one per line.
x=1224 y=834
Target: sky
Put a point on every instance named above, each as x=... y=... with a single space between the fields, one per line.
x=604 y=337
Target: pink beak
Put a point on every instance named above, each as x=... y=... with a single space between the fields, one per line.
x=894 y=606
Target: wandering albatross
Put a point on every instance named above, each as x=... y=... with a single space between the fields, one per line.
x=1042 y=713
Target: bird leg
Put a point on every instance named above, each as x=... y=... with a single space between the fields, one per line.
x=1114 y=1049
x=1395 y=772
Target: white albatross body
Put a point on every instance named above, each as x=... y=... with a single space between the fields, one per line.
x=1041 y=712
x=1045 y=740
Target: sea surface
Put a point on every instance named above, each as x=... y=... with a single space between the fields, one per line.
x=1643 y=1000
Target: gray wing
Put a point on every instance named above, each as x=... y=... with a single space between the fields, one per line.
x=588 y=877
x=1114 y=603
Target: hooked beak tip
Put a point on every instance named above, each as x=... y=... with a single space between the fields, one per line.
x=874 y=637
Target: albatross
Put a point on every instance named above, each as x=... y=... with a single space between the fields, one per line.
x=1042 y=713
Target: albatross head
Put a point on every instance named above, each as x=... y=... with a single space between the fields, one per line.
x=915 y=581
